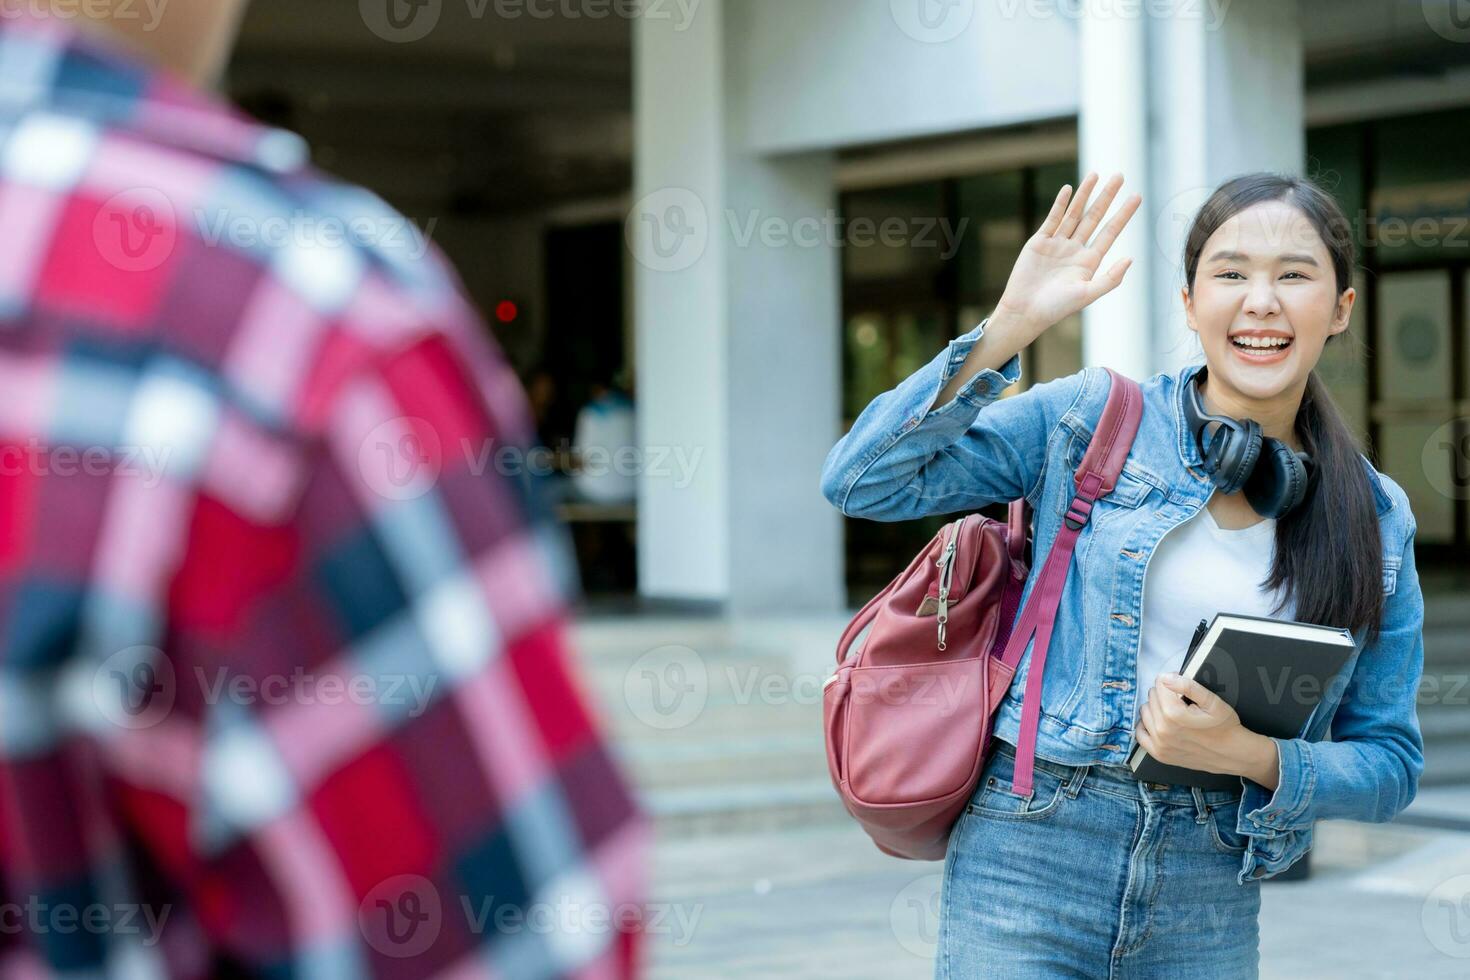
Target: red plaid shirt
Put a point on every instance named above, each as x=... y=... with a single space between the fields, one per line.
x=284 y=679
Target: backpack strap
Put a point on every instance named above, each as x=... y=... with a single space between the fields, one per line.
x=1095 y=477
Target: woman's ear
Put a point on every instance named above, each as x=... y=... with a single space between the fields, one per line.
x=1188 y=308
x=1344 y=313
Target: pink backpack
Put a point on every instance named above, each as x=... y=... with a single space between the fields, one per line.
x=908 y=714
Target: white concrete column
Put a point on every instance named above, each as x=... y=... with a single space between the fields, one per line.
x=679 y=304
x=1179 y=97
x=1112 y=136
x=785 y=357
x=1226 y=91
x=738 y=335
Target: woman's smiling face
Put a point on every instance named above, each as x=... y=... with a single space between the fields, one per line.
x=1265 y=277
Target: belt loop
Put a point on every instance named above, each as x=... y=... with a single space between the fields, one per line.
x=1201 y=809
x=1074 y=781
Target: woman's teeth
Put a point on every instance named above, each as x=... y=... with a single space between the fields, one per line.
x=1261 y=343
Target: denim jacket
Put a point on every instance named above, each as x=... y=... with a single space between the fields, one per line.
x=906 y=458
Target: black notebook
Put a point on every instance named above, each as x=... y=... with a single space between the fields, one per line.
x=1273 y=672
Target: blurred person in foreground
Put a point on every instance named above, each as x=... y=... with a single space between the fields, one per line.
x=285 y=686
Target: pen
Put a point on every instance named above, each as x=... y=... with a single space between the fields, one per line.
x=1199 y=633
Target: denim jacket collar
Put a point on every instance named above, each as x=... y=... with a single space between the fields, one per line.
x=1188 y=448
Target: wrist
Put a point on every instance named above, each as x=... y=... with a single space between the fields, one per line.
x=1260 y=762
x=1014 y=324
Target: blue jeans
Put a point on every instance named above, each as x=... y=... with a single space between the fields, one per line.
x=1095 y=875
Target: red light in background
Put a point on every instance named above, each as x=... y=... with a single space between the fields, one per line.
x=506 y=311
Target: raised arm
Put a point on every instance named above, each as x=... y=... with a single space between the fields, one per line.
x=903 y=460
x=943 y=440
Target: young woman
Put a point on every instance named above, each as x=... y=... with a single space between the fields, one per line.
x=1098 y=874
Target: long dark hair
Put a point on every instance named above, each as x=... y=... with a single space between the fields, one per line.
x=1329 y=553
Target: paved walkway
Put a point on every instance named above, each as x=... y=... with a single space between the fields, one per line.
x=822 y=902
x=758 y=872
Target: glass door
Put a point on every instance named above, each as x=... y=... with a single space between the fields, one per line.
x=1419 y=415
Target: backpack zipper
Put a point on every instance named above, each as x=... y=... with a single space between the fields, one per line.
x=946 y=576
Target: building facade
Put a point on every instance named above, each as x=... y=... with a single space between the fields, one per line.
x=825 y=192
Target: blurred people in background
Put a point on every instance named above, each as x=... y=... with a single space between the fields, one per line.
x=541 y=390
x=605 y=444
x=285 y=686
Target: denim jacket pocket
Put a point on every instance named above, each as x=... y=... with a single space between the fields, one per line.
x=1130 y=489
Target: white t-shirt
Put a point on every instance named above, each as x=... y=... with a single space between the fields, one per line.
x=1197 y=570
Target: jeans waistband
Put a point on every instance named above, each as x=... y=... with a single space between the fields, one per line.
x=1120 y=781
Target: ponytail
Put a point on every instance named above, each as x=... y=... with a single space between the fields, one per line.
x=1329 y=553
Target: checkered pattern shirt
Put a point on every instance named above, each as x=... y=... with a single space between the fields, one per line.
x=285 y=686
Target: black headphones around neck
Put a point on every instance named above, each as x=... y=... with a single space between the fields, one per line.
x=1275 y=477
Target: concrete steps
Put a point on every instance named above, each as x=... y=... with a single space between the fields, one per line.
x=718 y=722
x=1446 y=603
x=741 y=807
x=1444 y=692
x=1446 y=763
x=742 y=758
